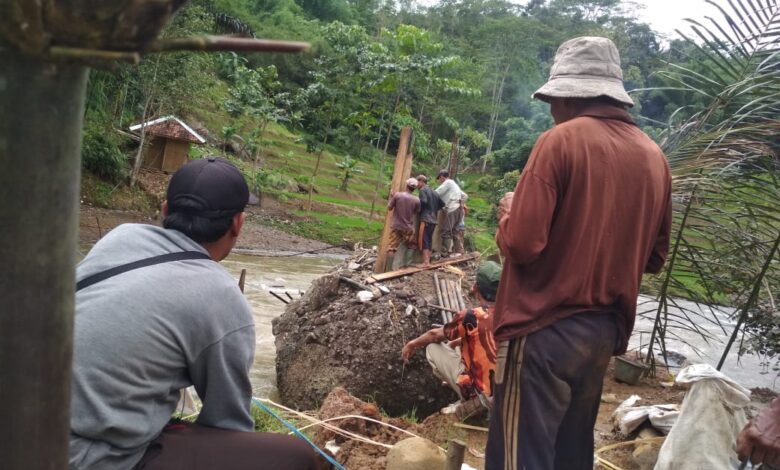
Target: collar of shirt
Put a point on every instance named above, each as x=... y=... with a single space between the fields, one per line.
x=605 y=111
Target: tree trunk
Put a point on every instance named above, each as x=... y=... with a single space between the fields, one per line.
x=497 y=99
x=382 y=158
x=319 y=157
x=42 y=108
x=139 y=155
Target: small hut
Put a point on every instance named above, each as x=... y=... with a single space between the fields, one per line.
x=169 y=142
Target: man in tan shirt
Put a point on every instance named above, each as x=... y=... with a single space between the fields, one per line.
x=590 y=214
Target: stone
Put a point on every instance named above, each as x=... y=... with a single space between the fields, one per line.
x=415 y=453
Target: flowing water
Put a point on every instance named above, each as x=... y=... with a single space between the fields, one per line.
x=296 y=273
x=716 y=322
x=293 y=274
x=280 y=274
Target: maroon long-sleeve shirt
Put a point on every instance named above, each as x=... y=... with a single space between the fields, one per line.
x=591 y=212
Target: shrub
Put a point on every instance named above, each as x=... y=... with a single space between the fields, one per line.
x=101 y=155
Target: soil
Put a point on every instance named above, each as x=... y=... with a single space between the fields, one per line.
x=441 y=428
x=256 y=235
x=330 y=338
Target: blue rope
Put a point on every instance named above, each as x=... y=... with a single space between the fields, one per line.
x=295 y=430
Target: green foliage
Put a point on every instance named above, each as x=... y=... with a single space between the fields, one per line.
x=725 y=156
x=350 y=168
x=101 y=154
x=264 y=422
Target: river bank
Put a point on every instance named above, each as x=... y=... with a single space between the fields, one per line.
x=265 y=273
x=256 y=235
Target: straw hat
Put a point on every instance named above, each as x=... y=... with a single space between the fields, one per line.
x=586 y=67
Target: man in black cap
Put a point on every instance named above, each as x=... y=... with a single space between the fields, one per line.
x=156 y=313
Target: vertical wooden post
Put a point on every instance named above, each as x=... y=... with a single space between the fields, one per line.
x=401 y=172
x=41 y=111
x=456 y=450
x=454 y=157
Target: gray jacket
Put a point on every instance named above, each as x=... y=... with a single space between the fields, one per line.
x=143 y=335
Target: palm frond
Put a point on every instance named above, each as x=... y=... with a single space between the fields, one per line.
x=725 y=159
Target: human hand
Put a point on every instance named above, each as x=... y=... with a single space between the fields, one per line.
x=407 y=351
x=505 y=205
x=759 y=441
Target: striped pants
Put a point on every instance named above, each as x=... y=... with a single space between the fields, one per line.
x=547 y=395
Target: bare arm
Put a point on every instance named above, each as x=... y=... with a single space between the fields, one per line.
x=434 y=335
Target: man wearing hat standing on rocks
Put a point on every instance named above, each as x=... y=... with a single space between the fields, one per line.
x=156 y=313
x=405 y=207
x=453 y=198
x=590 y=214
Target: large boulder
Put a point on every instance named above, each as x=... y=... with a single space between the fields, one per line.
x=329 y=338
x=416 y=453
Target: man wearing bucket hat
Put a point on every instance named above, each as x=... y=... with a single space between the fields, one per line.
x=405 y=207
x=156 y=313
x=590 y=214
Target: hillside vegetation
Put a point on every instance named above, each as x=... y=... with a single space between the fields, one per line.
x=318 y=131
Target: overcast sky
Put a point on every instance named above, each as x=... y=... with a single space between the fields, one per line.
x=662 y=15
x=666 y=15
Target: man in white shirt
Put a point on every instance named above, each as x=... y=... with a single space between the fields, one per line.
x=453 y=198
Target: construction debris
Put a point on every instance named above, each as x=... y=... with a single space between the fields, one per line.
x=331 y=338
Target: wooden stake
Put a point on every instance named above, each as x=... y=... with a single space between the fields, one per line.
x=398 y=184
x=242 y=280
x=455 y=452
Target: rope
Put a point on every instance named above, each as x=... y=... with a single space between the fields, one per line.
x=611 y=466
x=330 y=427
x=324 y=423
x=292 y=428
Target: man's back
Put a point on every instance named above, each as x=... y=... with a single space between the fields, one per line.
x=429 y=205
x=584 y=225
x=142 y=335
x=405 y=205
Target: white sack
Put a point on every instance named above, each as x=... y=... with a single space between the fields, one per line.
x=629 y=417
x=712 y=414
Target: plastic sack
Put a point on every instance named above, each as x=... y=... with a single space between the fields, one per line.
x=711 y=416
x=629 y=417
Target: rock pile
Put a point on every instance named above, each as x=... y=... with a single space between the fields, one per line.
x=329 y=338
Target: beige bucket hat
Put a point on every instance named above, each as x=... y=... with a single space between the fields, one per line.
x=586 y=67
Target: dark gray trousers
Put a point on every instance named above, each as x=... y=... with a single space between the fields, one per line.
x=547 y=395
x=194 y=447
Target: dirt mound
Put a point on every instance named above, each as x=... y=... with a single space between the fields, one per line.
x=353 y=453
x=329 y=338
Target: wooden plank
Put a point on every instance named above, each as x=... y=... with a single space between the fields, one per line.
x=397 y=185
x=416 y=269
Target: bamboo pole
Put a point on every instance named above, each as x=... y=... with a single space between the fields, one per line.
x=440 y=298
x=225 y=43
x=399 y=177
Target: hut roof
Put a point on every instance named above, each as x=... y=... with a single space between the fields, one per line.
x=170 y=127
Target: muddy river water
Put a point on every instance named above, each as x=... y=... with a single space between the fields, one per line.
x=295 y=273
x=277 y=273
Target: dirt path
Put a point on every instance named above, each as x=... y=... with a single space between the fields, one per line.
x=95 y=222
